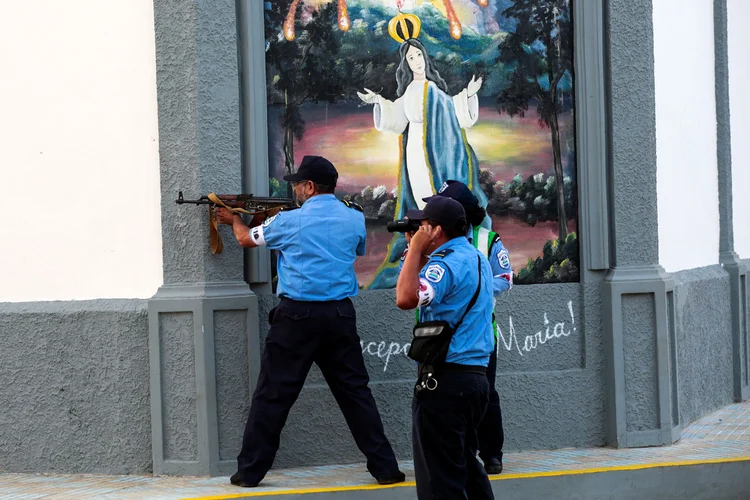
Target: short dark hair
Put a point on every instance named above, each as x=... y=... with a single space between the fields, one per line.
x=451 y=232
x=324 y=188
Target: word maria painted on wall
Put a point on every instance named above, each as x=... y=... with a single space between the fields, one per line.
x=507 y=339
x=540 y=338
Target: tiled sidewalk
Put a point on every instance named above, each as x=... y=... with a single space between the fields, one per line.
x=721 y=436
x=730 y=424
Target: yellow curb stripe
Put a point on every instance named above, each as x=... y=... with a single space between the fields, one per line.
x=503 y=477
x=305 y=491
x=597 y=470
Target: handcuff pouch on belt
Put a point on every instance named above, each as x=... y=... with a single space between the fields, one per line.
x=431 y=339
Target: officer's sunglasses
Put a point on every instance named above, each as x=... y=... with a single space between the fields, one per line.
x=296 y=183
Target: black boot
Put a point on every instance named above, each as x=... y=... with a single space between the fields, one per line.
x=493 y=466
x=237 y=481
x=399 y=477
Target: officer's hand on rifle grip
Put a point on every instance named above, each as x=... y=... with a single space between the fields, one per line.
x=224 y=216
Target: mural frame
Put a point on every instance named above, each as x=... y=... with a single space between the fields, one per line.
x=591 y=130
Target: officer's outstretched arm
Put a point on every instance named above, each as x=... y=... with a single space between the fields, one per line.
x=242 y=233
x=240 y=229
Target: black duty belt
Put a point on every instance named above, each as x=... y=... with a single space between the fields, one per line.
x=451 y=368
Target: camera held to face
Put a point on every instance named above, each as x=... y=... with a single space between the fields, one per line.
x=403 y=226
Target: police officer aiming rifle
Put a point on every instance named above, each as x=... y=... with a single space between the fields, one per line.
x=452 y=343
x=314 y=322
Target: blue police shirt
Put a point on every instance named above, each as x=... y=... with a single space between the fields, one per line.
x=502 y=274
x=446 y=285
x=317 y=246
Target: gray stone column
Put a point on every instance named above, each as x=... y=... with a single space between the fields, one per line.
x=203 y=323
x=730 y=261
x=637 y=292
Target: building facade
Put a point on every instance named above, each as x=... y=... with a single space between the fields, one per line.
x=126 y=346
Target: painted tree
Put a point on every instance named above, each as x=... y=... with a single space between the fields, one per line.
x=539 y=51
x=301 y=70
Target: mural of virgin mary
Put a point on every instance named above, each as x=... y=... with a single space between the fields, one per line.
x=433 y=147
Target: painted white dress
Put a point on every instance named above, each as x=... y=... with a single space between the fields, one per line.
x=394 y=116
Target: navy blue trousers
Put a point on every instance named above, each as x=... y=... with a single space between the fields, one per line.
x=303 y=333
x=491 y=435
x=444 y=438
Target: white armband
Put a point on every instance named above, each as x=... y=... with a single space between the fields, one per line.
x=256 y=234
x=426 y=292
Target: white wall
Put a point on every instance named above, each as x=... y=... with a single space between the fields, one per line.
x=78 y=146
x=739 y=99
x=687 y=174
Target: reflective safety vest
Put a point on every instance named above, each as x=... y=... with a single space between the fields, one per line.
x=483 y=240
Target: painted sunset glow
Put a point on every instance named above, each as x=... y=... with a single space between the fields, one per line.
x=370 y=157
x=316 y=107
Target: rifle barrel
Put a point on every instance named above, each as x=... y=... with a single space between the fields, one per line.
x=237 y=200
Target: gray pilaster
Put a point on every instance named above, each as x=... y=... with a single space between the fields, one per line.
x=252 y=63
x=188 y=326
x=205 y=307
x=637 y=292
x=591 y=132
x=727 y=256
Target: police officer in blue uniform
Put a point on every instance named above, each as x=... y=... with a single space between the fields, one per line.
x=453 y=291
x=491 y=435
x=314 y=322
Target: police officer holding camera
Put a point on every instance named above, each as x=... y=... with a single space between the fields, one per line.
x=314 y=322
x=452 y=343
x=491 y=435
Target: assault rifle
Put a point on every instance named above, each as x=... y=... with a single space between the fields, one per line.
x=239 y=203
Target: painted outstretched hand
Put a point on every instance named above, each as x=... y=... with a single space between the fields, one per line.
x=474 y=85
x=369 y=97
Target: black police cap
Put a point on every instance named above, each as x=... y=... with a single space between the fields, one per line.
x=459 y=192
x=442 y=210
x=316 y=169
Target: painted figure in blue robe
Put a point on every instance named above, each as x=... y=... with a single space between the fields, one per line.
x=433 y=146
